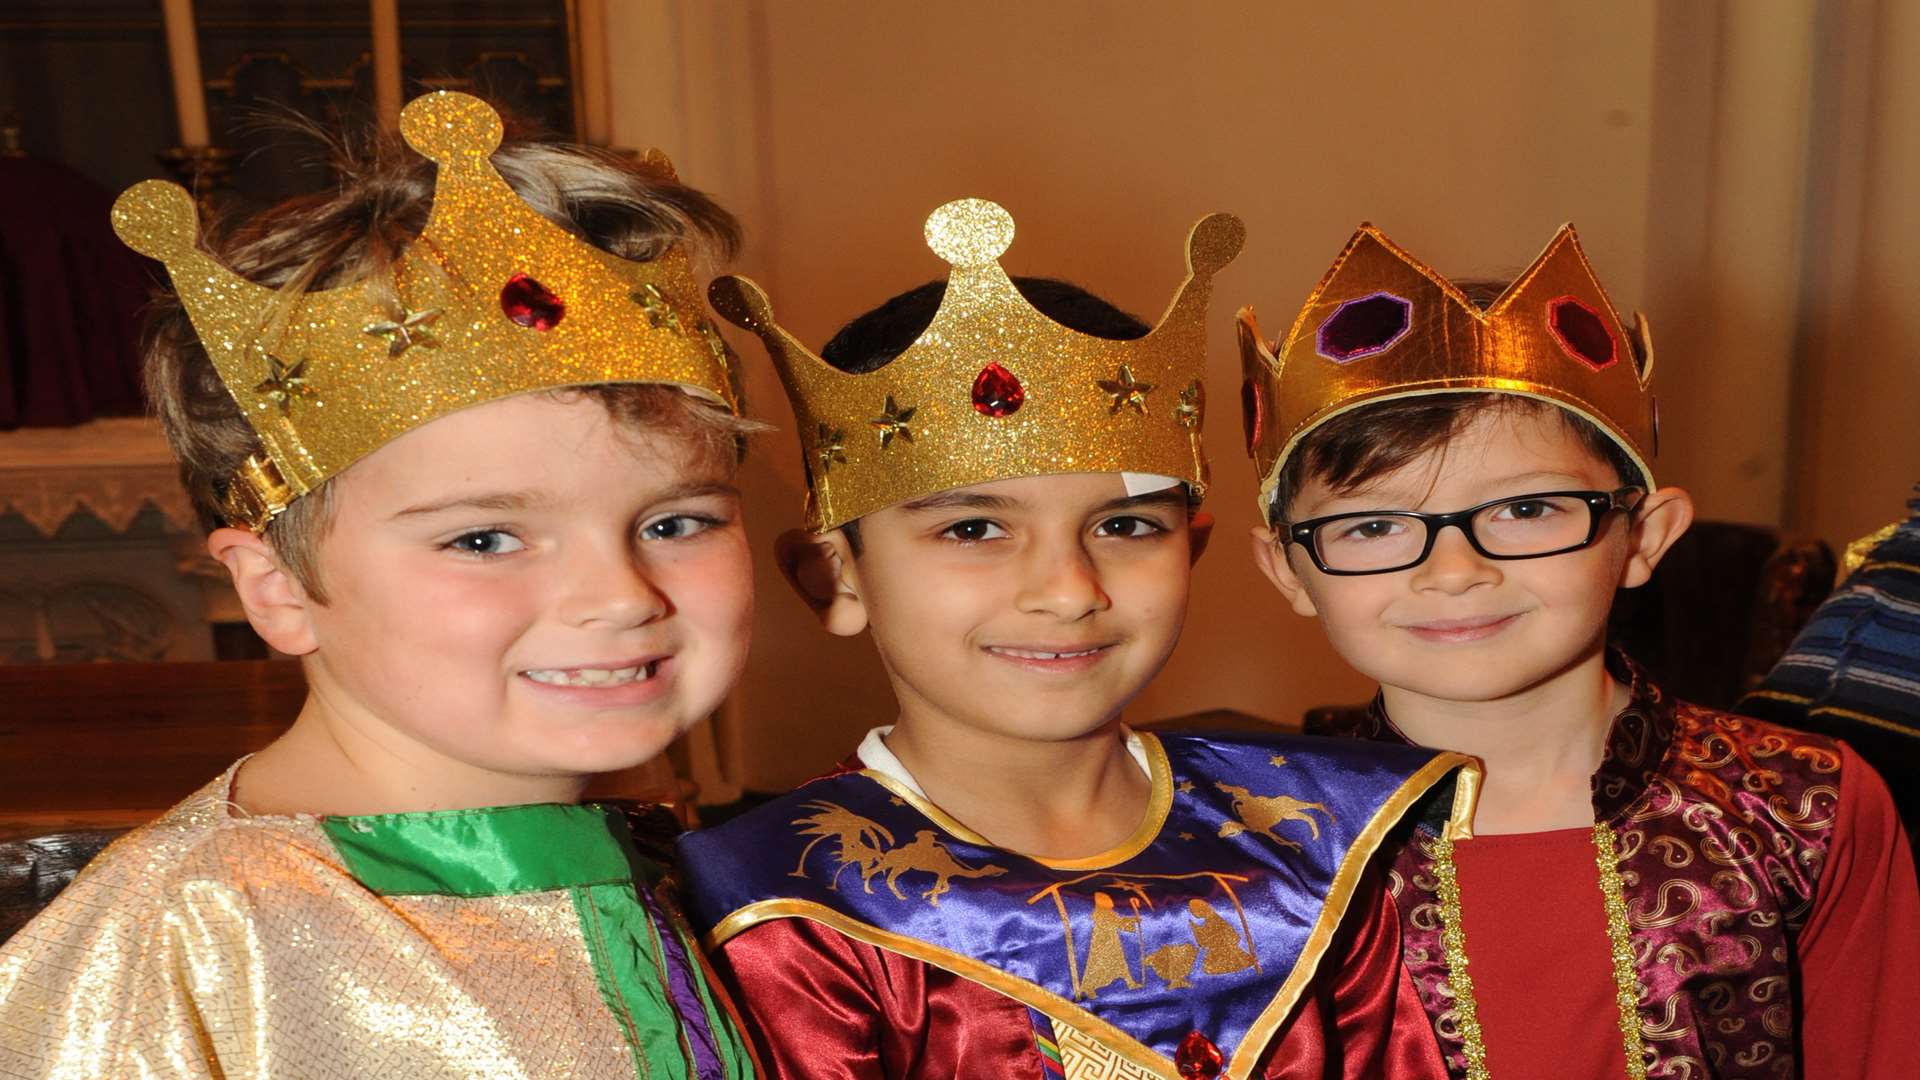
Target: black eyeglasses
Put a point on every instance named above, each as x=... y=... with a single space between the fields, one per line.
x=1520 y=527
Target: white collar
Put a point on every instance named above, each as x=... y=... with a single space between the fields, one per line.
x=874 y=755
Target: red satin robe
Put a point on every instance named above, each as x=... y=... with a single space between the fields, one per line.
x=825 y=1007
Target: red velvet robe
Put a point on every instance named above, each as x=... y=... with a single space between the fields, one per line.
x=1770 y=889
x=821 y=1005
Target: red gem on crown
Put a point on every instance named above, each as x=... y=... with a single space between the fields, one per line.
x=531 y=304
x=997 y=392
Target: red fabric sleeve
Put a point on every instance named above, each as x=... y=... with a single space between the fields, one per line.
x=1860 y=986
x=1362 y=1018
x=822 y=1006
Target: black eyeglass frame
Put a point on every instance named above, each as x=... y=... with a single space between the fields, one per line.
x=1599 y=505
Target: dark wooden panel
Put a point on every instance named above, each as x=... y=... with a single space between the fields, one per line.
x=95 y=737
x=95 y=745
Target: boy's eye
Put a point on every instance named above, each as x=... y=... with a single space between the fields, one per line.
x=973 y=529
x=486 y=542
x=1129 y=526
x=1529 y=509
x=1371 y=529
x=676 y=527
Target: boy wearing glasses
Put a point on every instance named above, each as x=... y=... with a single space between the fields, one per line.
x=1456 y=486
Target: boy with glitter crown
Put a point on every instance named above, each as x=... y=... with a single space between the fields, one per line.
x=1002 y=483
x=467 y=445
x=1457 y=485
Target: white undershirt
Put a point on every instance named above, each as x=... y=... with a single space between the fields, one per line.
x=874 y=755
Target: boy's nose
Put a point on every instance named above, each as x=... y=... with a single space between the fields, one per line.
x=1453 y=566
x=1060 y=579
x=610 y=589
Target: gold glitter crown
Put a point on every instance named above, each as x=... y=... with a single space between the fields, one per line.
x=1381 y=325
x=993 y=389
x=491 y=301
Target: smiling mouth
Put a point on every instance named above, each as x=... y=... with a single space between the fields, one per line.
x=1462 y=629
x=594 y=677
x=1045 y=654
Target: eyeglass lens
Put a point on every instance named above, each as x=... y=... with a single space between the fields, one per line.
x=1528 y=525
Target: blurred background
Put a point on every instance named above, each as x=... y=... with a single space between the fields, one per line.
x=1739 y=171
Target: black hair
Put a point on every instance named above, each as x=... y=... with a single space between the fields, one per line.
x=873 y=339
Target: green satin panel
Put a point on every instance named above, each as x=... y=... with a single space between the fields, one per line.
x=493 y=851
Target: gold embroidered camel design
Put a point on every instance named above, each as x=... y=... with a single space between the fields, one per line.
x=927 y=855
x=1263 y=813
x=869 y=848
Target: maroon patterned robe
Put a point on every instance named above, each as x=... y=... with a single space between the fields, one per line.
x=1726 y=826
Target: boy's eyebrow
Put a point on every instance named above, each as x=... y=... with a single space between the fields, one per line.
x=488 y=500
x=1176 y=495
x=959 y=500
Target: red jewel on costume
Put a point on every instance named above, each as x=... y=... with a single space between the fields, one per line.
x=996 y=392
x=1197 y=1058
x=529 y=303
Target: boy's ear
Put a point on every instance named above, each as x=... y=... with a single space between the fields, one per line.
x=1199 y=532
x=821 y=569
x=1657 y=522
x=275 y=603
x=1271 y=557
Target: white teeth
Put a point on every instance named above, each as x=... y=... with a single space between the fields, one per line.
x=1034 y=654
x=592 y=676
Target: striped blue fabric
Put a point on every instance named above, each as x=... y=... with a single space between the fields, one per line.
x=1854 y=670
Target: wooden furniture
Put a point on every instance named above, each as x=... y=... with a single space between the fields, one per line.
x=87 y=751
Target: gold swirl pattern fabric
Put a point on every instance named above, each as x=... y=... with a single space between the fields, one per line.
x=211 y=944
x=1723 y=826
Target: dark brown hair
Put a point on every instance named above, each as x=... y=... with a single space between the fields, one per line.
x=1355 y=448
x=355 y=231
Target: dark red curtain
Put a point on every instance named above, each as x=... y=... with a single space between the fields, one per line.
x=70 y=300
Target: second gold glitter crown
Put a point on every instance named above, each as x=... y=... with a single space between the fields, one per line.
x=493 y=300
x=1382 y=325
x=993 y=389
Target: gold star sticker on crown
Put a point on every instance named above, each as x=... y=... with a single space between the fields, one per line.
x=1126 y=391
x=1185 y=787
x=659 y=312
x=410 y=329
x=892 y=421
x=716 y=344
x=1192 y=403
x=284 y=383
x=1278 y=760
x=830 y=448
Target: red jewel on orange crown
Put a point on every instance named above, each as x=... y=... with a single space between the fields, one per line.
x=997 y=392
x=531 y=304
x=1197 y=1058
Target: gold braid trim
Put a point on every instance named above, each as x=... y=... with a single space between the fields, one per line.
x=1620 y=940
x=1453 y=937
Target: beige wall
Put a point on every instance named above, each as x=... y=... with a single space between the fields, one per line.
x=1676 y=136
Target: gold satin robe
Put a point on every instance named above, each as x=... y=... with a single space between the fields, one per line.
x=502 y=943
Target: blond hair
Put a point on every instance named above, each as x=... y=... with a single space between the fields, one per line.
x=354 y=232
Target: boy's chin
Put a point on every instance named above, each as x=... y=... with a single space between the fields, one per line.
x=615 y=751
